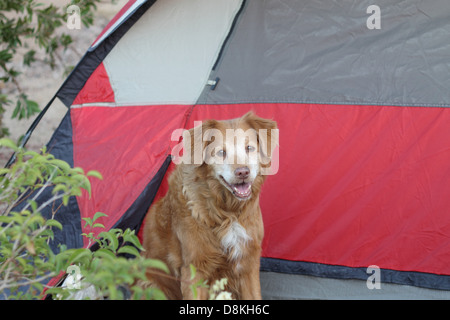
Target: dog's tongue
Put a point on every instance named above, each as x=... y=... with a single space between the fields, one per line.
x=242 y=189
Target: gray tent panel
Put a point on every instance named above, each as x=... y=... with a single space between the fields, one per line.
x=323 y=52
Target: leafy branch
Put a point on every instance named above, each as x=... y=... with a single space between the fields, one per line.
x=26 y=259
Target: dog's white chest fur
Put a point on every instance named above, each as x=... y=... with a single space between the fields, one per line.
x=235 y=240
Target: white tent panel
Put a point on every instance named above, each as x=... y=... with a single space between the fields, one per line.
x=174 y=46
x=116 y=24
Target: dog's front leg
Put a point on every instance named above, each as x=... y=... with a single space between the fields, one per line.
x=250 y=286
x=188 y=284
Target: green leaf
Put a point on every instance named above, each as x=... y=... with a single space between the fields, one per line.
x=88 y=222
x=112 y=239
x=5 y=142
x=29 y=57
x=61 y=262
x=80 y=256
x=98 y=215
x=36 y=219
x=193 y=271
x=59 y=188
x=154 y=293
x=5 y=56
x=87 y=186
x=32 y=108
x=130 y=250
x=54 y=223
x=104 y=254
x=114 y=294
x=64 y=166
x=65 y=200
x=95 y=174
x=194 y=291
x=156 y=264
x=5 y=219
x=134 y=240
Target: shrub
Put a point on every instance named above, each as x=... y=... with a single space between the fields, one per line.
x=26 y=259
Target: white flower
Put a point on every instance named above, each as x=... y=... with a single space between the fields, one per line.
x=224 y=295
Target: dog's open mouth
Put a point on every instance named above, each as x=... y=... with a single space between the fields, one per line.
x=241 y=190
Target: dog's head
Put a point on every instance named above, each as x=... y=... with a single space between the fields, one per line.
x=237 y=153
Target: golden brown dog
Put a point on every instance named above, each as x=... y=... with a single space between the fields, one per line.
x=210 y=216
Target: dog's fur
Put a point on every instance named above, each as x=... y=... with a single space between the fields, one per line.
x=206 y=219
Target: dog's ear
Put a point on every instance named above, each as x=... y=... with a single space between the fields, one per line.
x=195 y=141
x=267 y=132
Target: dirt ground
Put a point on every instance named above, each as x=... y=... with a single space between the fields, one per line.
x=40 y=82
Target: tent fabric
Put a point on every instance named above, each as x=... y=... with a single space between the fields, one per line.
x=409 y=278
x=363 y=118
x=345 y=164
x=170 y=67
x=97 y=88
x=323 y=52
x=362 y=114
x=60 y=145
x=98 y=145
x=128 y=9
x=127 y=87
x=278 y=286
x=95 y=56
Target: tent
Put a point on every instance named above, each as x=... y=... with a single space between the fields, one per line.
x=360 y=91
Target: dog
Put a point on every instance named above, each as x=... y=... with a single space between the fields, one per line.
x=210 y=217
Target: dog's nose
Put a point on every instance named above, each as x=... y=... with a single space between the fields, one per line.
x=242 y=172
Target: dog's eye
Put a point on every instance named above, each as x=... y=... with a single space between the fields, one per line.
x=250 y=149
x=221 y=153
